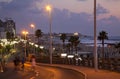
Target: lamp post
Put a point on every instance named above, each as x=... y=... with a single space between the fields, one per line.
x=49 y=9
x=95 y=39
x=25 y=34
x=33 y=28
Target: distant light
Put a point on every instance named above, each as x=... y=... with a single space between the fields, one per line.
x=76 y=34
x=70 y=56
x=41 y=47
x=36 y=45
x=63 y=55
x=80 y=58
x=32 y=25
x=53 y=48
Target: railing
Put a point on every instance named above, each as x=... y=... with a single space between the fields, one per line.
x=112 y=64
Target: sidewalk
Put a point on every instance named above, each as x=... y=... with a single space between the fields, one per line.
x=10 y=73
x=90 y=73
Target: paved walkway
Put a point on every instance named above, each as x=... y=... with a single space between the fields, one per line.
x=90 y=73
x=10 y=73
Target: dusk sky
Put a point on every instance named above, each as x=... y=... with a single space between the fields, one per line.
x=68 y=16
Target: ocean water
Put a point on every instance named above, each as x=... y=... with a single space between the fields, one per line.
x=89 y=40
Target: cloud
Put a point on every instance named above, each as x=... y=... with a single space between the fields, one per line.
x=81 y=0
x=66 y=21
x=16 y=5
x=112 y=0
x=19 y=5
x=101 y=10
x=6 y=1
x=111 y=20
x=110 y=24
x=24 y=12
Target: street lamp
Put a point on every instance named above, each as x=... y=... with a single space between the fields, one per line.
x=95 y=40
x=33 y=27
x=49 y=9
x=25 y=34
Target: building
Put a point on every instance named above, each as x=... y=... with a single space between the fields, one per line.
x=7 y=26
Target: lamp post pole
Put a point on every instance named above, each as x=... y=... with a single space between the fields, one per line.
x=95 y=39
x=33 y=28
x=49 y=9
x=25 y=34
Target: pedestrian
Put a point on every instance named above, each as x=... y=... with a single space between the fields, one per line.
x=15 y=63
x=22 y=62
x=18 y=62
x=33 y=62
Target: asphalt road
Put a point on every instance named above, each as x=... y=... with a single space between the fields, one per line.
x=48 y=72
x=41 y=72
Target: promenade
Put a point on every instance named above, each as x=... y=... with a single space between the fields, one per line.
x=10 y=73
x=89 y=73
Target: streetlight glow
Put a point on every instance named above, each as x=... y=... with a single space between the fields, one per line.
x=32 y=26
x=48 y=8
x=25 y=32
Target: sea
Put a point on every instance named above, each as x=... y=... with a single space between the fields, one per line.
x=89 y=40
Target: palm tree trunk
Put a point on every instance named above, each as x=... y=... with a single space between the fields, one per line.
x=63 y=46
x=76 y=49
x=103 y=56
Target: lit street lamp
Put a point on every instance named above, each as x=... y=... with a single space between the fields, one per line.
x=33 y=27
x=49 y=9
x=25 y=34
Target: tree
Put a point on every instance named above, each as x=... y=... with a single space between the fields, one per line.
x=38 y=34
x=102 y=36
x=10 y=36
x=76 y=44
x=74 y=40
x=63 y=37
x=68 y=46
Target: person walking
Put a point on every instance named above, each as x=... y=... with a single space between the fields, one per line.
x=22 y=62
x=15 y=63
x=33 y=62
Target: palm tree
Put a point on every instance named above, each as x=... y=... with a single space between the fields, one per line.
x=102 y=36
x=74 y=40
x=63 y=37
x=71 y=40
x=68 y=46
x=76 y=44
x=38 y=34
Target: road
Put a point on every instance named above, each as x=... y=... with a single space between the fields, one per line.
x=47 y=72
x=41 y=72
